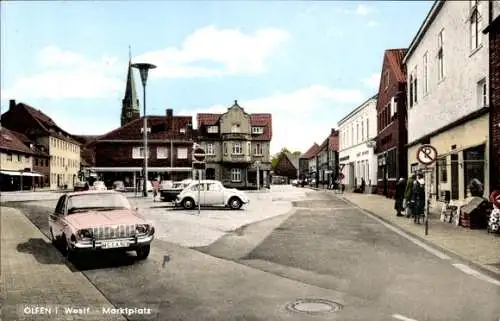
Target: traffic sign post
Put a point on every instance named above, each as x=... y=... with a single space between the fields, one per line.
x=427 y=156
x=198 y=160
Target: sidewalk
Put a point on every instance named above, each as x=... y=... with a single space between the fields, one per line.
x=475 y=246
x=34 y=274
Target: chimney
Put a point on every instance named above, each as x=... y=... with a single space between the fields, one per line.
x=170 y=112
x=333 y=132
x=12 y=103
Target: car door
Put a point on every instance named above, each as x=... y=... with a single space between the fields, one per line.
x=55 y=218
x=214 y=194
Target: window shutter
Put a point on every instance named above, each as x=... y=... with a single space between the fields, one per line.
x=393 y=106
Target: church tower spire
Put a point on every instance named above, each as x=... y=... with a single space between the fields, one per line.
x=130 y=102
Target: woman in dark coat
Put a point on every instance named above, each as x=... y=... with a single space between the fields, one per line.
x=400 y=196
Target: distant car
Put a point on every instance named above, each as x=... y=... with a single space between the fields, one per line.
x=99 y=186
x=212 y=193
x=99 y=220
x=119 y=186
x=295 y=182
x=81 y=186
x=170 y=194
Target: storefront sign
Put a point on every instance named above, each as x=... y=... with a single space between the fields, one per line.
x=345 y=158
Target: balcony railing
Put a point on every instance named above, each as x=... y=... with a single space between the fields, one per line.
x=237 y=158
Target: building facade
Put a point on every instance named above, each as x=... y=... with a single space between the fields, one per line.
x=63 y=150
x=287 y=165
x=307 y=162
x=237 y=146
x=16 y=163
x=447 y=96
x=328 y=159
x=357 y=134
x=493 y=32
x=391 y=139
x=119 y=155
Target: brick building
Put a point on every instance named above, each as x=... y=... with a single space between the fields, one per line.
x=237 y=146
x=119 y=154
x=391 y=123
x=493 y=31
x=63 y=150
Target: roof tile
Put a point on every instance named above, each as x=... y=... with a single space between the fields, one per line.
x=11 y=142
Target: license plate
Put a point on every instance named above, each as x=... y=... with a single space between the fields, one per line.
x=114 y=244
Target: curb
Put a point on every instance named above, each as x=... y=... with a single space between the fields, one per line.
x=482 y=268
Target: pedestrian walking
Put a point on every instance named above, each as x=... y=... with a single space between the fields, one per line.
x=156 y=187
x=400 y=196
x=408 y=196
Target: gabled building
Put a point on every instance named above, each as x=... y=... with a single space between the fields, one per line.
x=391 y=139
x=357 y=158
x=448 y=107
x=119 y=154
x=328 y=158
x=287 y=165
x=307 y=162
x=493 y=32
x=16 y=163
x=237 y=146
x=63 y=150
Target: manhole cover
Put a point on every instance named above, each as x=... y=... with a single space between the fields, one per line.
x=314 y=306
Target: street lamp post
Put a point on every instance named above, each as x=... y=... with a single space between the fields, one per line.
x=143 y=70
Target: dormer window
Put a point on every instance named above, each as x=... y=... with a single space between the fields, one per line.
x=182 y=130
x=213 y=129
x=6 y=137
x=235 y=128
x=257 y=130
x=148 y=130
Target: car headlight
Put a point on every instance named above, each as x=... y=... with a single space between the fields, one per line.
x=84 y=234
x=142 y=228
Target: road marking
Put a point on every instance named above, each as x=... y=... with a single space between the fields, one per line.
x=467 y=270
x=402 y=317
x=398 y=231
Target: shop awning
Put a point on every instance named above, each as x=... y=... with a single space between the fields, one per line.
x=16 y=173
x=139 y=169
x=31 y=174
x=10 y=173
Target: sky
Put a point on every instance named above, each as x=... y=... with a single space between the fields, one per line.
x=307 y=63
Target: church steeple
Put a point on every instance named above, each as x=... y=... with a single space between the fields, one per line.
x=130 y=103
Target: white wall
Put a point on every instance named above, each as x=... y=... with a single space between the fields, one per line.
x=353 y=138
x=456 y=95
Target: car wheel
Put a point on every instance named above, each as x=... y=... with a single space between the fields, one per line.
x=143 y=252
x=53 y=239
x=188 y=203
x=68 y=251
x=235 y=203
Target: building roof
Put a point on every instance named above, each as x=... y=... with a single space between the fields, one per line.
x=9 y=141
x=294 y=159
x=355 y=110
x=162 y=128
x=257 y=120
x=311 y=152
x=395 y=59
x=47 y=123
x=431 y=15
x=35 y=148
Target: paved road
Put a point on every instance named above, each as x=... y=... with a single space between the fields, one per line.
x=325 y=250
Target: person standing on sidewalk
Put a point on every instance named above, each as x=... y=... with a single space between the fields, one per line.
x=408 y=195
x=418 y=198
x=400 y=196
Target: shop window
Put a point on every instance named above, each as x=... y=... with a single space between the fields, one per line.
x=473 y=166
x=392 y=164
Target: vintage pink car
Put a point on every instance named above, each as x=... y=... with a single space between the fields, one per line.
x=99 y=220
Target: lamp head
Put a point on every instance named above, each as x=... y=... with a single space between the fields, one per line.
x=143 y=70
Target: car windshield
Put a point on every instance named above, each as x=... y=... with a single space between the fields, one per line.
x=97 y=201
